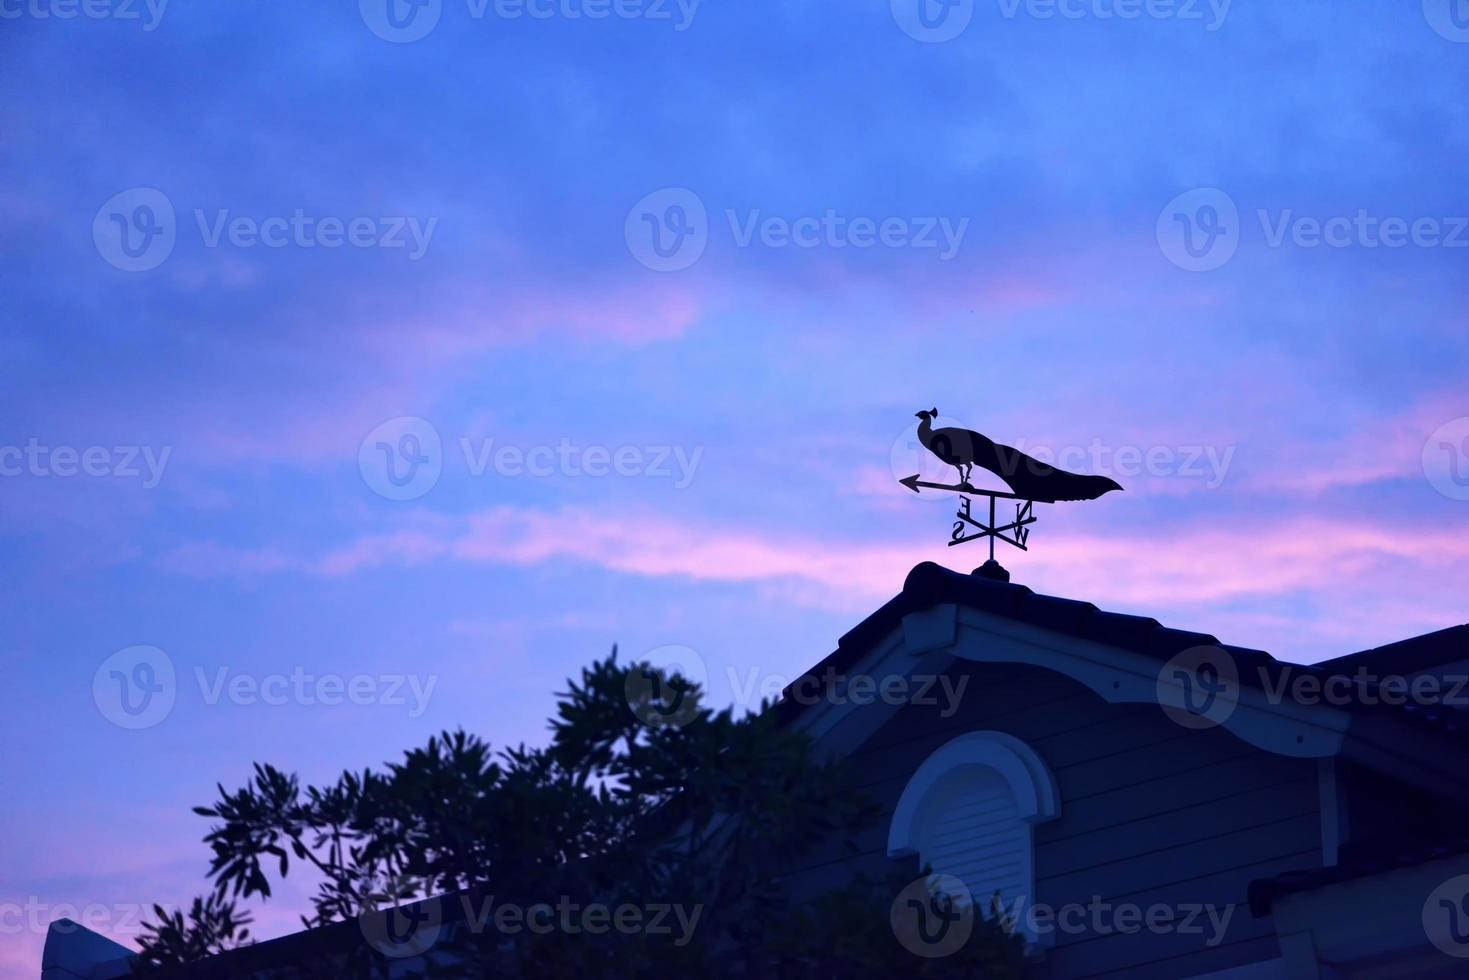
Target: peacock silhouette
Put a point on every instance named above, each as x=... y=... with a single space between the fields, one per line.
x=1026 y=476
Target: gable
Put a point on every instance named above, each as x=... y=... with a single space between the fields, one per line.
x=943 y=615
x=1147 y=813
x=1165 y=799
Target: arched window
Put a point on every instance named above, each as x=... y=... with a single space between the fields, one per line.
x=969 y=810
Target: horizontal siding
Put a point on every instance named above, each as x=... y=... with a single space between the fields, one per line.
x=1192 y=806
x=1212 y=784
x=1146 y=868
x=1151 y=813
x=1184 y=824
x=1177 y=954
x=1189 y=963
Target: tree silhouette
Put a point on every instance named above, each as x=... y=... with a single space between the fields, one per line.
x=694 y=810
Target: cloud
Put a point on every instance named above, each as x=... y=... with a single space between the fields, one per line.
x=1369 y=450
x=1341 y=563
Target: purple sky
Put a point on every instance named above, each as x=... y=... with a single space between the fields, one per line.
x=1109 y=238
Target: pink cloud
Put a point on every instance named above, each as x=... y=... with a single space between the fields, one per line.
x=1372 y=450
x=207 y=559
x=1344 y=565
x=1260 y=560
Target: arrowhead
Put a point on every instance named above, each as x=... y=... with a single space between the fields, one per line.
x=911 y=482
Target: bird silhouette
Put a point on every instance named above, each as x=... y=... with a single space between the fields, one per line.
x=1026 y=476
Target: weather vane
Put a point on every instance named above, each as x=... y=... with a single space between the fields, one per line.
x=1030 y=481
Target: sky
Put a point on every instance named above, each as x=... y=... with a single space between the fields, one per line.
x=369 y=370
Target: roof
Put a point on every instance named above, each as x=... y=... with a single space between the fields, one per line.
x=929 y=584
x=1408 y=656
x=1357 y=861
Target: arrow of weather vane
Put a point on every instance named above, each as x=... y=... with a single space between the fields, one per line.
x=1030 y=481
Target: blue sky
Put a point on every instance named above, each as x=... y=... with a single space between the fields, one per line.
x=504 y=175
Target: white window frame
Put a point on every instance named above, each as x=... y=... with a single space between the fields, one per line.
x=1023 y=770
